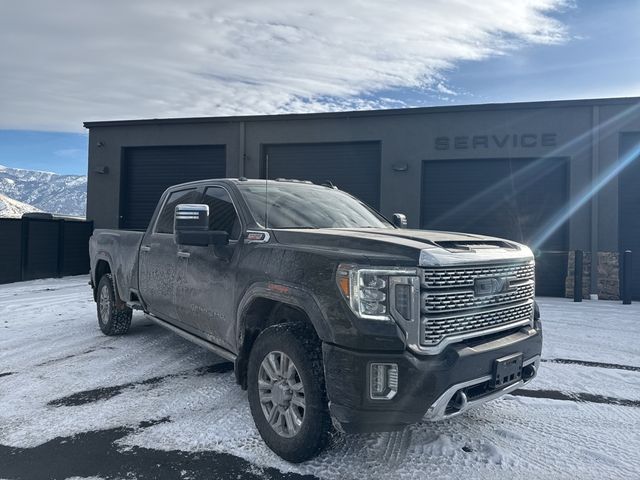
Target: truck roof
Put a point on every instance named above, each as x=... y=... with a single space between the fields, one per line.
x=253 y=181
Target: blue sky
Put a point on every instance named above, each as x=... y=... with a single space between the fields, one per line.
x=89 y=61
x=600 y=59
x=59 y=152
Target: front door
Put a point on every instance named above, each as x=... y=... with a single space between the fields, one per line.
x=207 y=301
x=159 y=259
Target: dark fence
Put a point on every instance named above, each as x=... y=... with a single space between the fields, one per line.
x=33 y=248
x=10 y=250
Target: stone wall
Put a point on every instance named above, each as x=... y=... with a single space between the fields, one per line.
x=608 y=275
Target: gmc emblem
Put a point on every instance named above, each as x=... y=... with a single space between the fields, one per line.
x=491 y=286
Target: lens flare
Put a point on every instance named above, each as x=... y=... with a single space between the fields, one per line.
x=578 y=201
x=576 y=146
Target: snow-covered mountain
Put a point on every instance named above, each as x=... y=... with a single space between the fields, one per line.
x=48 y=192
x=13 y=208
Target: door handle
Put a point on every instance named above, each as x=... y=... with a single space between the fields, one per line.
x=145 y=248
x=182 y=254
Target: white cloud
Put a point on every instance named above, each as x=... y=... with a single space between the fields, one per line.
x=74 y=60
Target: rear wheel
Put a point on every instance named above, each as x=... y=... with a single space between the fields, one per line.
x=114 y=317
x=287 y=393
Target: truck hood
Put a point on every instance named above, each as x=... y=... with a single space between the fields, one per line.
x=418 y=247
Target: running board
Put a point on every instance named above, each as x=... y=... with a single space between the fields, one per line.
x=226 y=354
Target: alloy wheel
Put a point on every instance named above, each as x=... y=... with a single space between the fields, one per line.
x=281 y=394
x=105 y=304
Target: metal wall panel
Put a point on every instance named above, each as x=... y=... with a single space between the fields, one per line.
x=41 y=257
x=148 y=171
x=32 y=248
x=75 y=247
x=351 y=166
x=629 y=208
x=10 y=250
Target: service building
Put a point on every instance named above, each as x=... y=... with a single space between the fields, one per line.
x=559 y=175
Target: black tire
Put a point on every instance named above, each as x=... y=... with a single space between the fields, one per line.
x=303 y=348
x=114 y=317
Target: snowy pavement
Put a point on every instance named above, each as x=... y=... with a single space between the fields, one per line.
x=74 y=403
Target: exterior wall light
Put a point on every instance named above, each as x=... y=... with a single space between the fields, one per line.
x=400 y=167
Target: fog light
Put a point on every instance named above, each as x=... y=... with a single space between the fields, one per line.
x=383 y=381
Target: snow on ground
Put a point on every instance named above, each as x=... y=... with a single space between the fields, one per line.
x=60 y=377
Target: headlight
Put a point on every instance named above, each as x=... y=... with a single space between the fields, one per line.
x=368 y=290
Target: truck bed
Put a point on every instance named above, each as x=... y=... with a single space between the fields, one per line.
x=121 y=249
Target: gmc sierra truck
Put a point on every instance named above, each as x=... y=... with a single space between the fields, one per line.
x=334 y=317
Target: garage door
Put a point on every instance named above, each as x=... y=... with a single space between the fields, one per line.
x=148 y=171
x=508 y=198
x=629 y=220
x=353 y=167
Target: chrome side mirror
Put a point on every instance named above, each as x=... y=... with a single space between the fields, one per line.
x=400 y=220
x=191 y=226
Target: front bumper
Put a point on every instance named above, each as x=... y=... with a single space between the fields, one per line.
x=430 y=387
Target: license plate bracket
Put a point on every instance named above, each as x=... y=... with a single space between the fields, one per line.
x=507 y=370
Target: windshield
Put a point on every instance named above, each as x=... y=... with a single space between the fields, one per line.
x=293 y=205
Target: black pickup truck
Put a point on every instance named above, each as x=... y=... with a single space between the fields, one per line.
x=334 y=317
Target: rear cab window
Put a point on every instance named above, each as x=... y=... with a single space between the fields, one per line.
x=164 y=224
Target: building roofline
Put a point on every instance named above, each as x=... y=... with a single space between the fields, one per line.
x=371 y=113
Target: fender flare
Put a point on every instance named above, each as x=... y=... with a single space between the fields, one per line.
x=103 y=255
x=287 y=294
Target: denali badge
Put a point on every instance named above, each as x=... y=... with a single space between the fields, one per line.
x=491 y=286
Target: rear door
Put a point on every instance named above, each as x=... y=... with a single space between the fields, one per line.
x=206 y=301
x=159 y=274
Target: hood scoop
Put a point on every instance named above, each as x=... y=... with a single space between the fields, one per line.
x=473 y=252
x=475 y=245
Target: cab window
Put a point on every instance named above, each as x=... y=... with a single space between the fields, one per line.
x=222 y=213
x=165 y=219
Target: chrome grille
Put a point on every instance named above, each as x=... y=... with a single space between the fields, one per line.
x=436 y=328
x=451 y=307
x=437 y=302
x=464 y=277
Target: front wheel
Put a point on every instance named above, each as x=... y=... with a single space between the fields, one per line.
x=287 y=393
x=114 y=317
